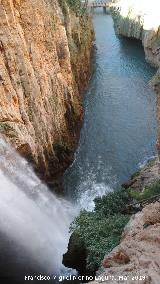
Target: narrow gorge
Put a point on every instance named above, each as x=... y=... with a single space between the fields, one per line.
x=79 y=112
x=132 y=250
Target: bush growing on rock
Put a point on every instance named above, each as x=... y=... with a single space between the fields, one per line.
x=75 y=5
x=112 y=203
x=100 y=231
x=147 y=193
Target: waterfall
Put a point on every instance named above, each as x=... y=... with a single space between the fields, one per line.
x=33 y=221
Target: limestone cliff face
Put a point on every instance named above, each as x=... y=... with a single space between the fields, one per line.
x=44 y=65
x=140 y=19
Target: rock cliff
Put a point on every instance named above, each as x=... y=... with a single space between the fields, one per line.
x=140 y=20
x=45 y=51
x=137 y=258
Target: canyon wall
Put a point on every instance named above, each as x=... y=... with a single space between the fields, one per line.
x=45 y=51
x=140 y=19
x=136 y=259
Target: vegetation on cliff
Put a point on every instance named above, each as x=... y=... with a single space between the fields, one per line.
x=99 y=231
x=147 y=193
x=75 y=5
x=95 y=234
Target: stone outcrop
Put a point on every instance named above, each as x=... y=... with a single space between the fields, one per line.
x=45 y=54
x=76 y=255
x=144 y=178
x=137 y=258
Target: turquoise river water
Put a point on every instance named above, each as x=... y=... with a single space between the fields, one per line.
x=119 y=130
x=118 y=135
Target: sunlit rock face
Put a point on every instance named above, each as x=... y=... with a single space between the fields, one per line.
x=140 y=19
x=43 y=62
x=137 y=257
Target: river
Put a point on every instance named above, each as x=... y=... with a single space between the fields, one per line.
x=119 y=130
x=118 y=135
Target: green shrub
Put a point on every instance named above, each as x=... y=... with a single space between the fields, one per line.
x=74 y=5
x=101 y=230
x=112 y=203
x=148 y=192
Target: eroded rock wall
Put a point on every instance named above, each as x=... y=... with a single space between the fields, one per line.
x=137 y=258
x=45 y=54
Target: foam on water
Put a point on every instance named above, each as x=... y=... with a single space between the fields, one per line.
x=88 y=190
x=87 y=184
x=144 y=162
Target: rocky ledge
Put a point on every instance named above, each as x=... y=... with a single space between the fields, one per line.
x=137 y=258
x=146 y=177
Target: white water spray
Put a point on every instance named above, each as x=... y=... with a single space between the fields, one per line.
x=30 y=215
